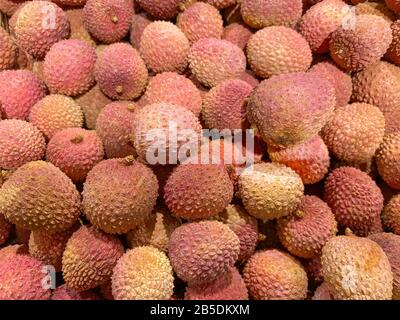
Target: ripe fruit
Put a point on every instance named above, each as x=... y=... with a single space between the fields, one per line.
x=388 y=160
x=234 y=153
x=115 y=126
x=277 y=50
x=49 y=247
x=306 y=231
x=390 y=243
x=139 y=23
x=274 y=275
x=374 y=227
x=356 y=269
x=152 y=127
x=119 y=194
x=164 y=47
x=266 y=13
x=143 y=273
x=339 y=80
x=8 y=51
x=310 y=160
x=38 y=196
x=19 y=91
x=108 y=20
x=69 y=67
x=121 y=72
x=160 y=9
x=200 y=21
x=250 y=77
x=12 y=250
x=89 y=258
x=54 y=113
x=244 y=226
x=354 y=132
x=320 y=21
x=172 y=88
x=354 y=197
x=270 y=190
x=21 y=278
x=376 y=8
x=322 y=293
x=356 y=48
x=391 y=214
x=230 y=286
x=20 y=143
x=198 y=191
x=379 y=85
x=202 y=252
x=75 y=152
x=39 y=25
x=224 y=106
x=290 y=109
x=212 y=61
x=9 y=7
x=238 y=34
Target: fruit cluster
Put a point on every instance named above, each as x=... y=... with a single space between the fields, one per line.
x=210 y=149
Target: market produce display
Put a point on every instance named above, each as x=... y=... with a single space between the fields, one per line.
x=200 y=150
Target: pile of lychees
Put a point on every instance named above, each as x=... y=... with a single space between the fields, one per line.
x=211 y=149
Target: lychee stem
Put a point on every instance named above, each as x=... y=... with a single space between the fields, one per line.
x=128 y=160
x=131 y=107
x=299 y=214
x=348 y=232
x=261 y=237
x=114 y=19
x=119 y=89
x=77 y=139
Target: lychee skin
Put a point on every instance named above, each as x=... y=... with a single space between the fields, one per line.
x=355 y=199
x=289 y=109
x=39 y=25
x=121 y=72
x=310 y=160
x=266 y=13
x=277 y=50
x=19 y=91
x=162 y=10
x=173 y=88
x=198 y=191
x=115 y=126
x=212 y=61
x=164 y=47
x=75 y=151
x=8 y=51
x=201 y=21
x=108 y=20
x=20 y=143
x=356 y=48
x=69 y=67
